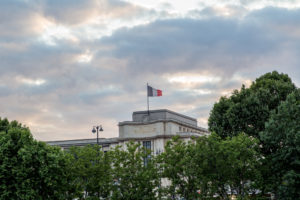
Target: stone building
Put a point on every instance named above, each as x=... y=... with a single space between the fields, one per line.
x=151 y=129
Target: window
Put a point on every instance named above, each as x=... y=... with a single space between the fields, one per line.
x=147 y=145
x=180 y=128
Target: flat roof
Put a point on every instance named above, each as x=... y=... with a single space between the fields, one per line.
x=162 y=111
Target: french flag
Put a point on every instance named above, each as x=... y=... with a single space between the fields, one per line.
x=152 y=92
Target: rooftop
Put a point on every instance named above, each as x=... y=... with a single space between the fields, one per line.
x=159 y=115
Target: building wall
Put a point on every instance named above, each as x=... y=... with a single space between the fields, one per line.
x=158 y=127
x=141 y=130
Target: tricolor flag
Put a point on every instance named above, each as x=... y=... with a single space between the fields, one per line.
x=152 y=92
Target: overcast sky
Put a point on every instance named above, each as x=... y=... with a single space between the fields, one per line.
x=66 y=65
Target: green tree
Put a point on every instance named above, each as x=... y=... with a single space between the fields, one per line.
x=5 y=125
x=30 y=169
x=282 y=138
x=133 y=179
x=179 y=169
x=211 y=166
x=92 y=172
x=227 y=167
x=247 y=110
x=239 y=160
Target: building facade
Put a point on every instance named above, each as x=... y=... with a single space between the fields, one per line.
x=152 y=129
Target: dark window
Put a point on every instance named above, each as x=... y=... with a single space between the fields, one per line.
x=147 y=145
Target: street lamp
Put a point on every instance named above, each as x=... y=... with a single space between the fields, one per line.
x=97 y=129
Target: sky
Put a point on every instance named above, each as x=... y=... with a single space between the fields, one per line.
x=67 y=65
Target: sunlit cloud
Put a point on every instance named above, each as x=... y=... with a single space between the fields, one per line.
x=259 y=4
x=226 y=11
x=30 y=82
x=202 y=121
x=178 y=8
x=242 y=80
x=226 y=92
x=54 y=32
x=85 y=58
x=182 y=107
x=196 y=92
x=193 y=79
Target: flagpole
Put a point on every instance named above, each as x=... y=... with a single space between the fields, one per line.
x=148 y=100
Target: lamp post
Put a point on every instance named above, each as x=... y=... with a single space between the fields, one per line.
x=97 y=129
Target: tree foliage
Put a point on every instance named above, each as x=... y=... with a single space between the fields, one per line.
x=266 y=110
x=282 y=138
x=29 y=169
x=5 y=125
x=211 y=166
x=247 y=110
x=92 y=172
x=117 y=174
x=179 y=169
x=134 y=178
x=199 y=169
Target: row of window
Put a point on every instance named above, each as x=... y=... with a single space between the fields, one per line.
x=190 y=130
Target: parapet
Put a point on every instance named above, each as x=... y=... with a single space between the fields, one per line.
x=163 y=114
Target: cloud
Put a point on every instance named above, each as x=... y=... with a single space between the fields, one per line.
x=226 y=11
x=61 y=89
x=19 y=20
x=214 y=44
x=76 y=12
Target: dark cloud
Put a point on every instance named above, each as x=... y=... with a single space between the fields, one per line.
x=4 y=91
x=187 y=44
x=70 y=11
x=275 y=15
x=216 y=44
x=18 y=20
x=76 y=12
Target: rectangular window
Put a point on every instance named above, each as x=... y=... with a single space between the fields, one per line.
x=147 y=145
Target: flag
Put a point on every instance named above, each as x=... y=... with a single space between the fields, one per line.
x=152 y=92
